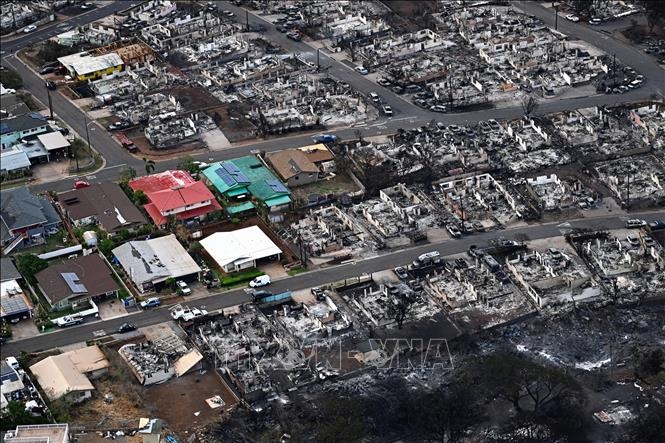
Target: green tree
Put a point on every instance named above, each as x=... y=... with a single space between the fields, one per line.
x=648 y=427
x=106 y=247
x=29 y=265
x=10 y=79
x=50 y=51
x=344 y=421
x=139 y=198
x=15 y=414
x=149 y=166
x=128 y=174
x=187 y=164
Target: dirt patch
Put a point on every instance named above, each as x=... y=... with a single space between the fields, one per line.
x=189 y=393
x=338 y=185
x=231 y=120
x=146 y=150
x=192 y=99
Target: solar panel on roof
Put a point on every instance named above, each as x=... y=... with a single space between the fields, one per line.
x=233 y=169
x=277 y=186
x=13 y=305
x=226 y=178
x=73 y=282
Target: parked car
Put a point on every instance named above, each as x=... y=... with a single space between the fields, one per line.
x=50 y=85
x=29 y=28
x=635 y=223
x=657 y=225
x=126 y=327
x=633 y=240
x=150 y=302
x=374 y=97
x=595 y=21
x=228 y=13
x=573 y=18
x=281 y=28
x=397 y=89
x=401 y=273
x=69 y=320
x=47 y=70
x=318 y=293
x=362 y=70
x=324 y=138
x=294 y=35
x=649 y=241
x=437 y=108
x=80 y=184
x=183 y=288
x=261 y=280
x=454 y=231
x=387 y=110
x=384 y=82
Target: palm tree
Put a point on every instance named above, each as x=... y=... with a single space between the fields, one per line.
x=149 y=166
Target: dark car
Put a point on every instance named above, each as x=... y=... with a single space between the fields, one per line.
x=47 y=70
x=318 y=293
x=126 y=327
x=50 y=85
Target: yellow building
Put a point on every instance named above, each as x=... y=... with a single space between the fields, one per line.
x=84 y=66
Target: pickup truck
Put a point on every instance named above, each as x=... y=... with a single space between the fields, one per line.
x=68 y=320
x=186 y=313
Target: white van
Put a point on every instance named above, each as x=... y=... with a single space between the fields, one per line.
x=261 y=280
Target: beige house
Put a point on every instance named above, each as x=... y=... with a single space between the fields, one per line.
x=68 y=375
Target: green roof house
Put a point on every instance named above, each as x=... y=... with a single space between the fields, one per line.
x=244 y=177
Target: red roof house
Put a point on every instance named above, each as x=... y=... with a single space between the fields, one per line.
x=175 y=193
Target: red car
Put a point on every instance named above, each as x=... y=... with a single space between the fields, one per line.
x=80 y=184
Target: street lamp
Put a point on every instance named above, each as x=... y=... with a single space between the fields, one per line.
x=556 y=17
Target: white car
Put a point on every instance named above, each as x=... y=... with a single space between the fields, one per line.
x=182 y=287
x=595 y=21
x=573 y=18
x=362 y=70
x=261 y=280
x=29 y=28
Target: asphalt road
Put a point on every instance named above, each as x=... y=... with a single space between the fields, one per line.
x=407 y=115
x=314 y=278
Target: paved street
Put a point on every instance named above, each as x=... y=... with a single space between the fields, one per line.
x=314 y=278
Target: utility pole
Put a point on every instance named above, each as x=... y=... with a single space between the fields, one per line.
x=87 y=133
x=247 y=20
x=556 y=17
x=50 y=102
x=318 y=60
x=614 y=70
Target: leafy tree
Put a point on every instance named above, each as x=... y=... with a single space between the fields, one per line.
x=139 y=198
x=187 y=164
x=29 y=265
x=10 y=79
x=106 y=247
x=51 y=50
x=15 y=414
x=529 y=105
x=127 y=174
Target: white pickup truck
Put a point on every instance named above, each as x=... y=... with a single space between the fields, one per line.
x=178 y=312
x=68 y=320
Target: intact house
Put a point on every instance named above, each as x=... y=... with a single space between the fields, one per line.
x=240 y=249
x=149 y=263
x=297 y=167
x=85 y=66
x=16 y=128
x=68 y=375
x=240 y=179
x=105 y=204
x=26 y=219
x=75 y=281
x=10 y=381
x=175 y=194
x=15 y=304
x=57 y=433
